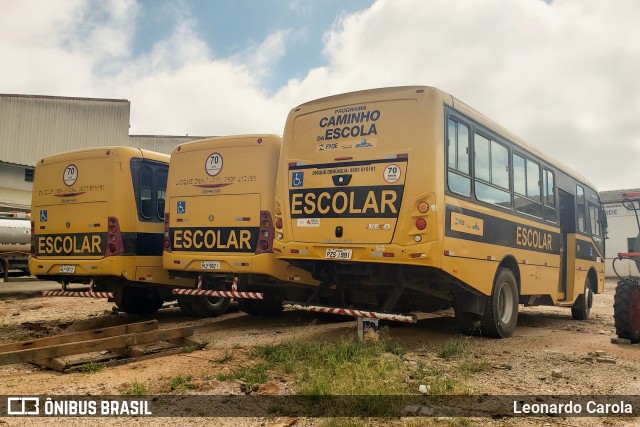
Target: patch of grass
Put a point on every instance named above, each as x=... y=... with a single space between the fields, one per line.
x=182 y=384
x=136 y=388
x=226 y=357
x=348 y=367
x=468 y=367
x=452 y=348
x=440 y=422
x=92 y=367
x=344 y=422
x=250 y=375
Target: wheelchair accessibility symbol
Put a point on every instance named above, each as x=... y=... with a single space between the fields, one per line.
x=297 y=179
x=43 y=215
x=181 y=207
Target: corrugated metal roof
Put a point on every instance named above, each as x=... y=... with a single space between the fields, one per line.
x=615 y=196
x=160 y=143
x=32 y=127
x=36 y=126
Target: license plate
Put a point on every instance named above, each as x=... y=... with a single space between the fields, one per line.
x=67 y=269
x=338 y=253
x=210 y=265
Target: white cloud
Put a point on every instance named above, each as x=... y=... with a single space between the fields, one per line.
x=564 y=76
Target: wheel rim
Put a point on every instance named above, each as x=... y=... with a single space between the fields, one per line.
x=214 y=302
x=505 y=303
x=588 y=298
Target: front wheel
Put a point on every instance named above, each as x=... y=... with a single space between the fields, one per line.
x=582 y=305
x=501 y=312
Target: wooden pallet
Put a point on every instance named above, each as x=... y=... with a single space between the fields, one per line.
x=65 y=352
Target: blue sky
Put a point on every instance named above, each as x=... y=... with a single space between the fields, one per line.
x=562 y=74
x=232 y=27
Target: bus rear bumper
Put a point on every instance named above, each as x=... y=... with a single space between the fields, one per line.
x=423 y=254
x=211 y=264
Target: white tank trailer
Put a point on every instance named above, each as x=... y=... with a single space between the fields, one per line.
x=15 y=245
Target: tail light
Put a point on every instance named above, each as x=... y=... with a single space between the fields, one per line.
x=265 y=238
x=421 y=224
x=33 y=239
x=115 y=246
x=167 y=242
x=279 y=224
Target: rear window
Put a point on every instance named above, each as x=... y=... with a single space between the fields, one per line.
x=150 y=186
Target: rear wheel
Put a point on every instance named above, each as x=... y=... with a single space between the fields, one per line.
x=468 y=323
x=271 y=305
x=136 y=300
x=184 y=302
x=626 y=310
x=582 y=305
x=208 y=306
x=501 y=312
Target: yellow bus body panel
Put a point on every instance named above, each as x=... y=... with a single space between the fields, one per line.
x=356 y=170
x=71 y=211
x=217 y=189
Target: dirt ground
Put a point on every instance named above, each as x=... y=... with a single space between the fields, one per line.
x=549 y=354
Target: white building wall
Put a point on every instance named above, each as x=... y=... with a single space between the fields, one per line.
x=622 y=226
x=15 y=191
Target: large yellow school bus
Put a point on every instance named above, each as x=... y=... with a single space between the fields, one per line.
x=219 y=222
x=98 y=218
x=406 y=199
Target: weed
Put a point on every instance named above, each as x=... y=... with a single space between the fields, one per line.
x=452 y=348
x=136 y=388
x=181 y=384
x=473 y=366
x=92 y=367
x=250 y=375
x=226 y=357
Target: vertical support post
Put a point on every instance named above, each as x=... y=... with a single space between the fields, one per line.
x=368 y=329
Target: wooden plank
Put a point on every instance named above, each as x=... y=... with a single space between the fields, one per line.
x=64 y=363
x=163 y=346
x=80 y=336
x=127 y=340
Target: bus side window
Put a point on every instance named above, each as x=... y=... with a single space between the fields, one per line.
x=581 y=209
x=594 y=220
x=549 y=196
x=458 y=176
x=492 y=172
x=146 y=192
x=526 y=186
x=161 y=192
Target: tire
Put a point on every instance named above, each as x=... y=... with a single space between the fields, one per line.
x=142 y=301
x=468 y=323
x=209 y=306
x=185 y=305
x=582 y=305
x=626 y=310
x=501 y=311
x=270 y=306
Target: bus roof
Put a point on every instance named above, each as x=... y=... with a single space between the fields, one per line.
x=450 y=100
x=120 y=150
x=221 y=140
